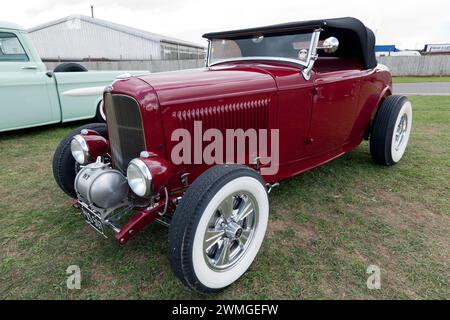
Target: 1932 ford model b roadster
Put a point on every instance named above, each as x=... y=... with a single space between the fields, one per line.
x=199 y=150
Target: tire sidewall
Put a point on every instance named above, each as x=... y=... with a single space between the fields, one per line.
x=100 y=116
x=405 y=108
x=63 y=163
x=221 y=279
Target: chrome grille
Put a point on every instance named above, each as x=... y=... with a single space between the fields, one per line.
x=126 y=135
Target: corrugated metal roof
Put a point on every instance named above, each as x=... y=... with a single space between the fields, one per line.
x=118 y=27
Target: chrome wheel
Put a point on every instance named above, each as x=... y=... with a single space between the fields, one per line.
x=400 y=132
x=230 y=231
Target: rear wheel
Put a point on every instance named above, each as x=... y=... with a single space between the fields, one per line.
x=391 y=130
x=70 y=67
x=64 y=165
x=218 y=227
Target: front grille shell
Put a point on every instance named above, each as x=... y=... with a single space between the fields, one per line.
x=126 y=134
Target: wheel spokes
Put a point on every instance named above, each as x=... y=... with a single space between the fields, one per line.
x=224 y=253
x=226 y=207
x=244 y=236
x=212 y=236
x=400 y=132
x=230 y=231
x=245 y=208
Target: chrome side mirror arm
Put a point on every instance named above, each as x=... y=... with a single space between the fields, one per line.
x=207 y=56
x=312 y=54
x=307 y=71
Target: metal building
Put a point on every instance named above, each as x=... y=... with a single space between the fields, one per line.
x=82 y=38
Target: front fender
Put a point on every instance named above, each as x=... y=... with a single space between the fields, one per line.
x=387 y=91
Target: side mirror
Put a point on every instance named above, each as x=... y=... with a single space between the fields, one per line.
x=330 y=45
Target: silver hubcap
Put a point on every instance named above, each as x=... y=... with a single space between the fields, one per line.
x=400 y=132
x=230 y=231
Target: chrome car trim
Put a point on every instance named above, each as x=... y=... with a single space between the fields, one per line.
x=166 y=203
x=279 y=59
x=148 y=178
x=84 y=147
x=312 y=54
x=270 y=186
x=125 y=129
x=230 y=231
x=124 y=76
x=89 y=91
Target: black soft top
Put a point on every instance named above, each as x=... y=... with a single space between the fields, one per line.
x=355 y=39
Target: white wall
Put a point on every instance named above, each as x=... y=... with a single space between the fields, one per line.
x=430 y=65
x=152 y=66
x=399 y=66
x=79 y=40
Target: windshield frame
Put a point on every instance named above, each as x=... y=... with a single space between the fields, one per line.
x=311 y=54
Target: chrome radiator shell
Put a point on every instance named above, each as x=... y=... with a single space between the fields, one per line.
x=125 y=130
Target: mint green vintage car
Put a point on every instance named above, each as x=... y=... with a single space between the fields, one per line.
x=32 y=96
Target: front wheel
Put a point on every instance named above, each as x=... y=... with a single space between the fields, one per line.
x=218 y=227
x=391 y=130
x=64 y=166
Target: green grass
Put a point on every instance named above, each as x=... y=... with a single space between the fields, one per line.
x=326 y=227
x=420 y=79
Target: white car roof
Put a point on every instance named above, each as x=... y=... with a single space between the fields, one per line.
x=9 y=25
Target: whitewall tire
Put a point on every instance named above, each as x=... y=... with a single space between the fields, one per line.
x=218 y=227
x=391 y=130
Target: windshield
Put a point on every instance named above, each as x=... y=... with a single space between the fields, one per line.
x=292 y=47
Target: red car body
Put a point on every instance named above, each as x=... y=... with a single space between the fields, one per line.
x=319 y=119
x=317 y=105
x=320 y=116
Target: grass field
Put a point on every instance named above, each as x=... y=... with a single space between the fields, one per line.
x=326 y=227
x=419 y=79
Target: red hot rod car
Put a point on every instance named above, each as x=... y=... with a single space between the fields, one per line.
x=297 y=95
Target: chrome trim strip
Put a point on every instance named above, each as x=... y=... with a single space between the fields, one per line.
x=312 y=47
x=148 y=178
x=84 y=147
x=312 y=54
x=89 y=91
x=279 y=59
x=109 y=96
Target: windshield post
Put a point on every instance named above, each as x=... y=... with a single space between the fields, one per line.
x=207 y=53
x=312 y=54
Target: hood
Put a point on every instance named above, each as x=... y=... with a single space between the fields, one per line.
x=178 y=87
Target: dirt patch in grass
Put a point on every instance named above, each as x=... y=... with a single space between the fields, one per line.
x=292 y=234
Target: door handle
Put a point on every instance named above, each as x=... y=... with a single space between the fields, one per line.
x=29 y=68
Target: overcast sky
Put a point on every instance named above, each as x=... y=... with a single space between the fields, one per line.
x=408 y=24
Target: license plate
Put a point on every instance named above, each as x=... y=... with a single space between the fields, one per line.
x=94 y=221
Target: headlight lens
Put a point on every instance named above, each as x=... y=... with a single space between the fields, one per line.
x=80 y=150
x=139 y=178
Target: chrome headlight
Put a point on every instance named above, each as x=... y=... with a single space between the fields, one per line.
x=80 y=149
x=139 y=178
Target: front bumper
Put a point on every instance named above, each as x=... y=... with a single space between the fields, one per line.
x=111 y=226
